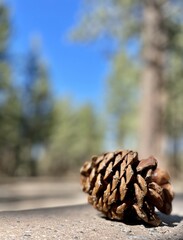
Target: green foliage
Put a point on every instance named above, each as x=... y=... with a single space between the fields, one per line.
x=38 y=101
x=114 y=19
x=174 y=110
x=175 y=84
x=123 y=97
x=121 y=21
x=75 y=137
x=5 y=29
x=9 y=102
x=37 y=111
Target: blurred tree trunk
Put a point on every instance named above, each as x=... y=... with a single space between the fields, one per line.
x=176 y=164
x=153 y=81
x=159 y=22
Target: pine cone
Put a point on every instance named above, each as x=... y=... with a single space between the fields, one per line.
x=121 y=186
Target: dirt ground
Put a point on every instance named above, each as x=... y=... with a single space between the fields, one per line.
x=84 y=222
x=31 y=193
x=22 y=194
x=61 y=213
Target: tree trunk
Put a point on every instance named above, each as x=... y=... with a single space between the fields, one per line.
x=153 y=94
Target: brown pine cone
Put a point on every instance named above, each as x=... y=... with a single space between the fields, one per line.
x=121 y=186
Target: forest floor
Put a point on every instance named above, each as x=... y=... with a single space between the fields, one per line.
x=58 y=210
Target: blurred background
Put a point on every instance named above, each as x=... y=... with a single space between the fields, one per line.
x=81 y=77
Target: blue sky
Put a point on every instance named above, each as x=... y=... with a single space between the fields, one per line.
x=77 y=70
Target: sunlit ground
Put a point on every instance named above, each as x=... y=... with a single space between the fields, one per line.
x=22 y=194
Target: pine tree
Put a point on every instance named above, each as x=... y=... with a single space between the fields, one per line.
x=37 y=106
x=122 y=96
x=9 y=102
x=76 y=135
x=154 y=26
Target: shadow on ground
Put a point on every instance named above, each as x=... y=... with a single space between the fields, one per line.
x=170 y=220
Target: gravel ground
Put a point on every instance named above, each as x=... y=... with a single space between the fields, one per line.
x=84 y=222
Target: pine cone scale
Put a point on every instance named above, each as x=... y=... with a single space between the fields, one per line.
x=140 y=213
x=142 y=184
x=139 y=195
x=129 y=174
x=150 y=162
x=92 y=176
x=117 y=161
x=122 y=189
x=115 y=180
x=156 y=199
x=108 y=171
x=120 y=209
x=122 y=169
x=113 y=197
x=107 y=193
